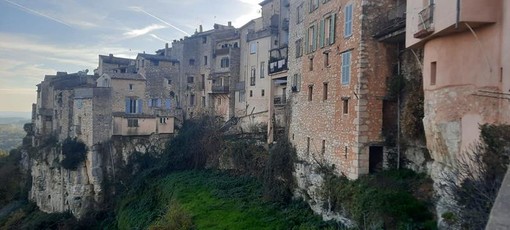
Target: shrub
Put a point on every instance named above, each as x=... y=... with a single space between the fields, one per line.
x=383 y=200
x=483 y=170
x=175 y=218
x=74 y=152
x=278 y=179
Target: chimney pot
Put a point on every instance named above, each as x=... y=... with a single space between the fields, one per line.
x=200 y=29
x=229 y=23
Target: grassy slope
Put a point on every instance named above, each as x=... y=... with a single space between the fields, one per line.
x=215 y=201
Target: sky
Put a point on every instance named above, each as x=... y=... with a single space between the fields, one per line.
x=41 y=37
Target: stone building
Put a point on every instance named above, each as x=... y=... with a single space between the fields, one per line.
x=337 y=108
x=264 y=44
x=209 y=69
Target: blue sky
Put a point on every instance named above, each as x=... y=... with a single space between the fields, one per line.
x=44 y=36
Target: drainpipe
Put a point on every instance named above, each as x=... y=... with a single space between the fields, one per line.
x=398 y=109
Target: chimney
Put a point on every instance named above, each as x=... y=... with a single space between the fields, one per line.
x=229 y=24
x=166 y=49
x=200 y=29
x=111 y=55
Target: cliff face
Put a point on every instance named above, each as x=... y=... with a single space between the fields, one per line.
x=56 y=189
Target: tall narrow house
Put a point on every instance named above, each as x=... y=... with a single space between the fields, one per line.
x=338 y=94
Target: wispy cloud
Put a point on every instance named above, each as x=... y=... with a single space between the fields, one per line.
x=37 y=13
x=143 y=31
x=160 y=39
x=139 y=9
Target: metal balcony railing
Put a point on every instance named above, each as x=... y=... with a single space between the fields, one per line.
x=220 y=89
x=278 y=65
x=426 y=20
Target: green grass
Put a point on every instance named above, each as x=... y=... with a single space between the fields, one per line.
x=215 y=200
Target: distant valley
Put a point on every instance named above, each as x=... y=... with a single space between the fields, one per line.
x=11 y=132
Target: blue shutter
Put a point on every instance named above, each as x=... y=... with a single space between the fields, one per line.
x=127 y=105
x=321 y=34
x=159 y=103
x=140 y=106
x=150 y=103
x=168 y=103
x=348 y=21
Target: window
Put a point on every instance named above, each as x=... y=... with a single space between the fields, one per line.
x=162 y=120
x=325 y=91
x=326 y=59
x=203 y=101
x=143 y=63
x=203 y=81
x=219 y=101
x=169 y=81
x=251 y=93
x=133 y=105
x=191 y=80
x=204 y=40
x=327 y=33
x=348 y=21
x=345 y=102
x=252 y=77
x=310 y=92
x=253 y=48
x=205 y=60
x=191 y=61
x=310 y=67
x=132 y=123
x=314 y=4
x=346 y=67
x=155 y=102
x=311 y=39
x=433 y=70
x=224 y=63
x=262 y=71
x=192 y=100
x=154 y=63
x=262 y=92
x=299 y=48
x=131 y=87
x=296 y=83
x=299 y=11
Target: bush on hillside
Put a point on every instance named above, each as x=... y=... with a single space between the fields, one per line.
x=381 y=201
x=278 y=179
x=483 y=170
x=74 y=152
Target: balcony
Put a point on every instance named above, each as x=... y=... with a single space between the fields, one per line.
x=278 y=65
x=240 y=86
x=445 y=18
x=254 y=35
x=280 y=100
x=425 y=23
x=278 y=60
x=220 y=89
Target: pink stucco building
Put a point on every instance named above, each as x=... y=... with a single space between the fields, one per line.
x=465 y=69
